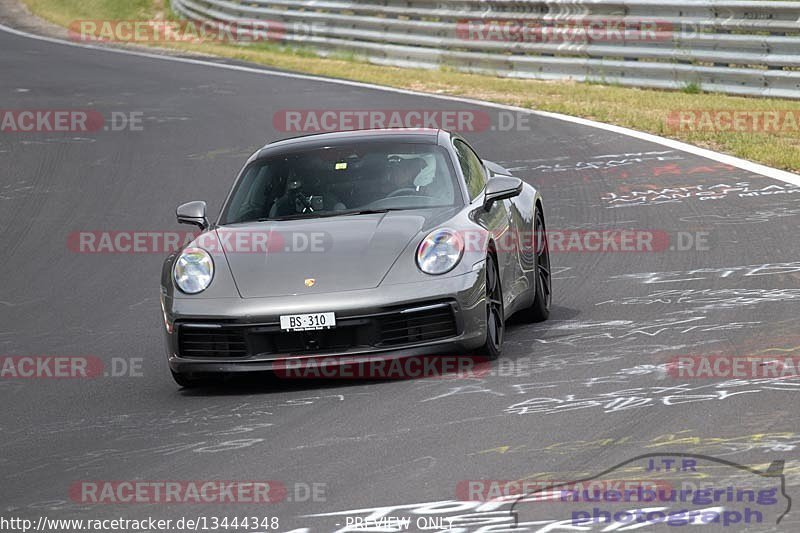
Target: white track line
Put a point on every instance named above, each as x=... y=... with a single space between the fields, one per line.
x=743 y=164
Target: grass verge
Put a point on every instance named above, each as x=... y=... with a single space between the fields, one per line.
x=640 y=109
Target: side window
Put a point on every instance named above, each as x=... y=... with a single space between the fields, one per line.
x=471 y=167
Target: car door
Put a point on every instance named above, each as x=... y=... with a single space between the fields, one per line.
x=497 y=220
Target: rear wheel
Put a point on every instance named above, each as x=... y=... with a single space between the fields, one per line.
x=540 y=309
x=495 y=317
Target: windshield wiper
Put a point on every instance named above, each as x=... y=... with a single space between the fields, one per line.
x=328 y=214
x=297 y=216
x=366 y=212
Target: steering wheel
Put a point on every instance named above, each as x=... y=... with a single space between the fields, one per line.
x=402 y=192
x=303 y=199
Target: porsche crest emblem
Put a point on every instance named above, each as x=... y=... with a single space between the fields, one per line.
x=310 y=282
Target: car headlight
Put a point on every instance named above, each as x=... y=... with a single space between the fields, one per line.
x=193 y=271
x=440 y=251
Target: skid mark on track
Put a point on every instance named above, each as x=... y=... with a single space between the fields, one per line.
x=651 y=396
x=688 y=440
x=790 y=270
x=704 y=300
x=678 y=194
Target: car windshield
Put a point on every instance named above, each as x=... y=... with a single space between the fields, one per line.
x=343 y=180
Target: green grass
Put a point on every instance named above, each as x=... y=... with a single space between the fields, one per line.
x=63 y=12
x=640 y=109
x=692 y=88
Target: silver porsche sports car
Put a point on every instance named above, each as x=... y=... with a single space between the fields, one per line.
x=374 y=242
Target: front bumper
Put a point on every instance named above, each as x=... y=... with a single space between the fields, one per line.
x=264 y=347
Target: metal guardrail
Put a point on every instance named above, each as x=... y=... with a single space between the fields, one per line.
x=731 y=46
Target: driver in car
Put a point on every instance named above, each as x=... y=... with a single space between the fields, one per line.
x=402 y=174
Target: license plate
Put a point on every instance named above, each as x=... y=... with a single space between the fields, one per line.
x=308 y=321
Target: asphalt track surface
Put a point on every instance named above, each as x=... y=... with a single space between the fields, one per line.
x=570 y=398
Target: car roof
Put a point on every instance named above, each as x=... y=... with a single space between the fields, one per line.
x=319 y=140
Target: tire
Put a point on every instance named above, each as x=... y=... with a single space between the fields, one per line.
x=495 y=315
x=539 y=310
x=188 y=381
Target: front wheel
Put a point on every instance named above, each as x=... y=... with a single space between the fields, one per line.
x=495 y=317
x=540 y=309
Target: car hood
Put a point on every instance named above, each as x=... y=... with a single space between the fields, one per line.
x=281 y=258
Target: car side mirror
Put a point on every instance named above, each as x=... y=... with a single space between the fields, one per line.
x=501 y=188
x=192 y=213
